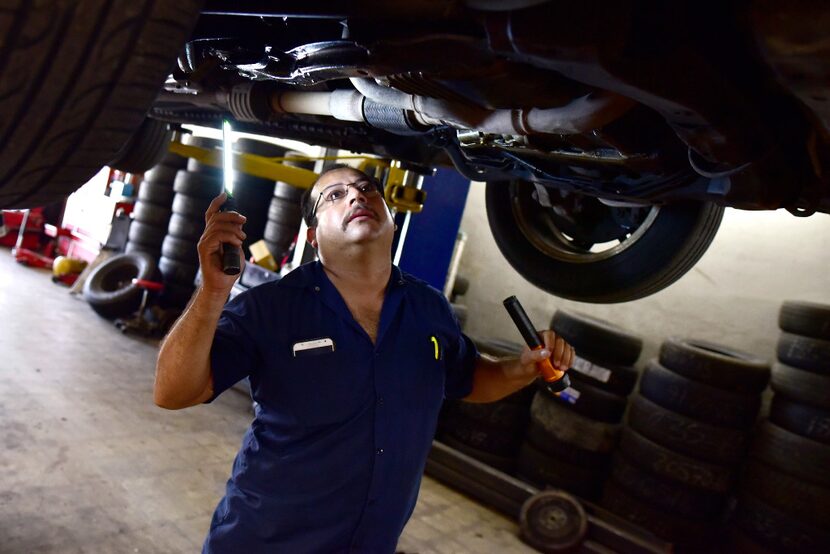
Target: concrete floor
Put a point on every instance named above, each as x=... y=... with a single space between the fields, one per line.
x=89 y=464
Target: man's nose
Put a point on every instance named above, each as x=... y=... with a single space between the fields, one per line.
x=353 y=194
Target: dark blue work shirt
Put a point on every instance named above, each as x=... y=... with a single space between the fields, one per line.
x=334 y=457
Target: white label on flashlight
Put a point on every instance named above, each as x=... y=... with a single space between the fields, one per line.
x=591 y=370
x=569 y=395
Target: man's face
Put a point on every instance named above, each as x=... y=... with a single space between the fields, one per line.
x=348 y=215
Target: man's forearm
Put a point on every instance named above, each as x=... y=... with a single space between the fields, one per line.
x=495 y=379
x=183 y=369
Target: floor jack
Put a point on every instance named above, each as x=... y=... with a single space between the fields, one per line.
x=32 y=258
x=147 y=320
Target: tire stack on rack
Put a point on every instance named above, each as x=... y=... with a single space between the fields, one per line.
x=194 y=189
x=491 y=432
x=687 y=435
x=152 y=209
x=571 y=436
x=784 y=501
x=284 y=215
x=252 y=194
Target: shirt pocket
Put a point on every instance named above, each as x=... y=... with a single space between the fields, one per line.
x=325 y=388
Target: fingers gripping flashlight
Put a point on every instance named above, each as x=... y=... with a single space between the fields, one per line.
x=230 y=253
x=555 y=379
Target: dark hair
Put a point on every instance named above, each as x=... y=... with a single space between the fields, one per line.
x=306 y=200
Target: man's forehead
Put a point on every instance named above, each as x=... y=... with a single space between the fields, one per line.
x=341 y=175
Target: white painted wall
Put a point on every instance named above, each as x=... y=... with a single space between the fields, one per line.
x=732 y=296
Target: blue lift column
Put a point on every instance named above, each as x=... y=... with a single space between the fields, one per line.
x=426 y=240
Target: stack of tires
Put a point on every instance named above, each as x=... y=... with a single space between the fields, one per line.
x=784 y=501
x=687 y=435
x=152 y=209
x=572 y=435
x=491 y=432
x=194 y=188
x=252 y=194
x=284 y=215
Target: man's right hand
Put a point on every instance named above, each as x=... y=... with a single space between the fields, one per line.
x=221 y=227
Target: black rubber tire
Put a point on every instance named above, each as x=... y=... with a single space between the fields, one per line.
x=146 y=147
x=149 y=235
x=598 y=339
x=540 y=469
x=778 y=530
x=804 y=353
x=190 y=206
x=259 y=148
x=592 y=402
x=152 y=214
x=554 y=447
x=180 y=250
x=173 y=160
x=571 y=427
x=133 y=247
x=176 y=295
x=697 y=400
x=553 y=521
x=203 y=170
x=801 y=385
x=280 y=233
x=481 y=437
x=187 y=228
x=109 y=289
x=805 y=318
x=679 y=529
x=288 y=193
x=803 y=500
x=793 y=454
x=174 y=271
x=251 y=198
x=801 y=419
x=613 y=378
x=284 y=212
x=197 y=185
x=502 y=463
x=674 y=242
x=203 y=142
x=664 y=493
x=156 y=193
x=716 y=365
x=162 y=174
x=276 y=249
x=720 y=445
x=72 y=95
x=667 y=463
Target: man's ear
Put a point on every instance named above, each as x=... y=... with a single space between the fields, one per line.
x=311 y=236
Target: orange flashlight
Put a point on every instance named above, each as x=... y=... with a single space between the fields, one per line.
x=555 y=379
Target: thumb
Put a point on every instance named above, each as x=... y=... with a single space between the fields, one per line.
x=533 y=356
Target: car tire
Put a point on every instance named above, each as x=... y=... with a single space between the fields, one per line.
x=190 y=206
x=71 y=116
x=571 y=427
x=553 y=521
x=805 y=318
x=720 y=445
x=801 y=385
x=805 y=501
x=674 y=466
x=284 y=212
x=146 y=147
x=161 y=174
x=802 y=419
x=591 y=402
x=715 y=365
x=697 y=400
x=197 y=185
x=552 y=446
x=181 y=250
x=675 y=239
x=778 y=530
x=187 y=228
x=156 y=193
x=804 y=353
x=612 y=378
x=601 y=340
x=664 y=493
x=280 y=233
x=540 y=469
x=109 y=288
x=151 y=214
x=145 y=233
x=502 y=463
x=177 y=272
x=134 y=247
x=803 y=458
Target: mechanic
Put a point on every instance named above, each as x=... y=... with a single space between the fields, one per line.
x=349 y=360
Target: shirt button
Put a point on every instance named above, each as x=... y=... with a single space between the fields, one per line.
x=316 y=289
x=380 y=451
x=380 y=401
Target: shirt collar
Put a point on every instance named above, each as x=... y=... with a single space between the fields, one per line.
x=311 y=274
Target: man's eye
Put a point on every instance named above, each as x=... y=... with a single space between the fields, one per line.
x=335 y=195
x=366 y=188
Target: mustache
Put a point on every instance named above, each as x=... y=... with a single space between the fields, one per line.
x=358 y=206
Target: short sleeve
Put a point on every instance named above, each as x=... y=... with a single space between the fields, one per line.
x=234 y=353
x=461 y=356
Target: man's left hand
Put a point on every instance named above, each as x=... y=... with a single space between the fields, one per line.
x=560 y=353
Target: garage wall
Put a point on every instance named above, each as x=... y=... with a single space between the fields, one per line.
x=732 y=296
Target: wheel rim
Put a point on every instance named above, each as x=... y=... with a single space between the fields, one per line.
x=539 y=226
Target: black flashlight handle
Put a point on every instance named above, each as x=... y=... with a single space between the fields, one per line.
x=231 y=264
x=523 y=323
